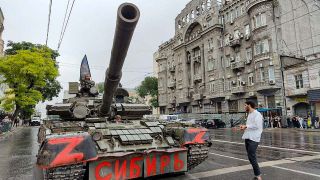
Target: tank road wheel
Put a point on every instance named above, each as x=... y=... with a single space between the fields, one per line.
x=197 y=153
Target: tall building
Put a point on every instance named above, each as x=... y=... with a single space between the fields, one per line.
x=2 y=86
x=225 y=53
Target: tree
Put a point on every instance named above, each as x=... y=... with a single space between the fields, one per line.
x=100 y=87
x=27 y=73
x=149 y=86
x=52 y=87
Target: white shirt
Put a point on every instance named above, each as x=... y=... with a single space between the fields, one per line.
x=254 y=126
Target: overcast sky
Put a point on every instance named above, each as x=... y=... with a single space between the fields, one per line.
x=90 y=31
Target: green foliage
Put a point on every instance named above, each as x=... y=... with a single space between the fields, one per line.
x=27 y=72
x=14 y=47
x=52 y=87
x=100 y=87
x=149 y=86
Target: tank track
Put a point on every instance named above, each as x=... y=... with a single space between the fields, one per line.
x=197 y=153
x=70 y=172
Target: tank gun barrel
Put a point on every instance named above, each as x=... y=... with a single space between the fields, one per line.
x=127 y=17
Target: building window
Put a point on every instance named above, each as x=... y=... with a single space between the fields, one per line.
x=261 y=75
x=247 y=30
x=211 y=87
x=271 y=102
x=250 y=79
x=233 y=106
x=237 y=12
x=231 y=15
x=223 y=85
x=271 y=74
x=299 y=81
x=260 y=20
x=249 y=54
x=227 y=40
x=203 y=7
x=210 y=64
x=210 y=44
x=262 y=47
x=238 y=58
x=242 y=9
x=227 y=17
x=188 y=18
x=227 y=61
x=192 y=14
x=222 y=62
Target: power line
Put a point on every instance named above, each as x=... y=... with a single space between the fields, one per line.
x=49 y=18
x=64 y=30
x=64 y=21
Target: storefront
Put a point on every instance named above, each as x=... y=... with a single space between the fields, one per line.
x=314 y=99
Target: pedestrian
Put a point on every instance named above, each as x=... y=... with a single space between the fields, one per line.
x=117 y=118
x=252 y=135
x=300 y=119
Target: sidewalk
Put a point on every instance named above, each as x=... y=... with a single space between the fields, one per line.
x=9 y=133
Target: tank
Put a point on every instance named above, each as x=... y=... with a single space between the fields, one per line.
x=93 y=137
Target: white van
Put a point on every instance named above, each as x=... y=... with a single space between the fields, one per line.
x=169 y=117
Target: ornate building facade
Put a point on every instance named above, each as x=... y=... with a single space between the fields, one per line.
x=225 y=53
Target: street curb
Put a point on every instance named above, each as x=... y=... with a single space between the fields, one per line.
x=9 y=133
x=308 y=130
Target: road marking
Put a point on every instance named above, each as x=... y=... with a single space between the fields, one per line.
x=229 y=157
x=247 y=167
x=270 y=147
x=296 y=171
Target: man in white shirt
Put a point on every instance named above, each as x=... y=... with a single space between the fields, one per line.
x=252 y=135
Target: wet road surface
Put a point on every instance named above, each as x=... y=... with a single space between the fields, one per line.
x=18 y=154
x=282 y=154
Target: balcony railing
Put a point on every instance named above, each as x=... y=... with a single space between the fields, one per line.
x=172 y=69
x=172 y=84
x=235 y=42
x=266 y=86
x=197 y=77
x=198 y=96
x=238 y=90
x=237 y=65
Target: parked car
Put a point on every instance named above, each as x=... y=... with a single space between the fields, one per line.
x=213 y=123
x=35 y=121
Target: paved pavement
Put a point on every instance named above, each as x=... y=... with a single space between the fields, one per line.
x=283 y=154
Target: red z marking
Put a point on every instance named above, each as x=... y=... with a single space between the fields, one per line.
x=198 y=137
x=65 y=156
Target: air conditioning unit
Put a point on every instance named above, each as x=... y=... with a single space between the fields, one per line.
x=243 y=83
x=248 y=61
x=272 y=82
x=231 y=59
x=247 y=37
x=233 y=82
x=231 y=21
x=227 y=97
x=261 y=65
x=251 y=93
x=271 y=63
x=241 y=35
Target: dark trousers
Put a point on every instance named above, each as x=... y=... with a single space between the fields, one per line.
x=251 y=147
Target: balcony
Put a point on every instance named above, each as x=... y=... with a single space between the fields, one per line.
x=172 y=69
x=237 y=65
x=198 y=96
x=235 y=43
x=238 y=90
x=218 y=95
x=197 y=78
x=297 y=92
x=197 y=59
x=266 y=87
x=252 y=3
x=172 y=84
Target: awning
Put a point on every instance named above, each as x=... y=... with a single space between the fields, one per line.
x=314 y=95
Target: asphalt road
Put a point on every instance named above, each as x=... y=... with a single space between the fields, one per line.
x=283 y=154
